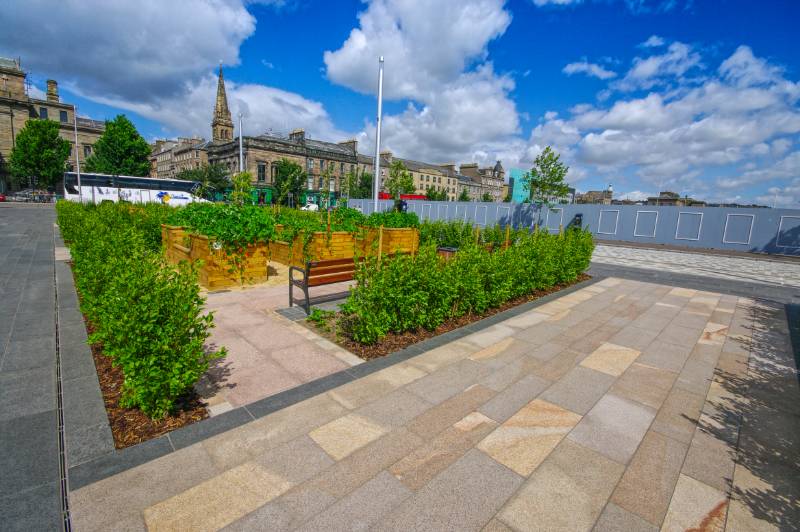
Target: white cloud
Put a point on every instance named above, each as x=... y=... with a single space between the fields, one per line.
x=635 y=195
x=556 y=2
x=654 y=41
x=745 y=70
x=458 y=107
x=590 y=69
x=648 y=72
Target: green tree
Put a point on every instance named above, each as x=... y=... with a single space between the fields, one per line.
x=212 y=178
x=436 y=195
x=487 y=197
x=400 y=180
x=120 y=150
x=545 y=181
x=290 y=178
x=365 y=184
x=463 y=196
x=39 y=156
x=242 y=188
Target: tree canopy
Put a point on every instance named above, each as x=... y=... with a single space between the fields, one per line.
x=545 y=181
x=436 y=195
x=212 y=178
x=290 y=178
x=487 y=197
x=39 y=156
x=120 y=150
x=464 y=196
x=357 y=184
x=400 y=180
x=242 y=188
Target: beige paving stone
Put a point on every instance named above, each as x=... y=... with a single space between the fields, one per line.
x=495 y=525
x=636 y=338
x=695 y=506
x=493 y=350
x=608 y=282
x=218 y=501
x=372 y=387
x=447 y=382
x=295 y=461
x=356 y=469
x=560 y=365
x=122 y=497
x=682 y=292
x=507 y=375
x=243 y=443
x=611 y=359
x=523 y=441
x=567 y=492
x=506 y=403
x=679 y=335
x=342 y=436
x=614 y=427
x=492 y=335
x=713 y=333
x=541 y=333
x=436 y=419
x=465 y=496
x=400 y=374
x=528 y=319
x=427 y=461
x=546 y=351
x=645 y=384
x=679 y=414
x=442 y=356
x=710 y=460
x=647 y=485
x=665 y=355
x=579 y=389
x=285 y=512
x=395 y=409
x=768 y=489
x=616 y=519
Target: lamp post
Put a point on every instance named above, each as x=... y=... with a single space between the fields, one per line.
x=77 y=156
x=241 y=151
x=376 y=178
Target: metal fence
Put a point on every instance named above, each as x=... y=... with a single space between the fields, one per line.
x=775 y=231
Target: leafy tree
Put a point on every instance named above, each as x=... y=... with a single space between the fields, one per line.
x=436 y=195
x=120 y=150
x=365 y=184
x=487 y=197
x=400 y=180
x=545 y=181
x=212 y=177
x=39 y=155
x=242 y=188
x=464 y=196
x=508 y=198
x=290 y=178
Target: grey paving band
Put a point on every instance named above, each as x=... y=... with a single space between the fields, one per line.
x=105 y=461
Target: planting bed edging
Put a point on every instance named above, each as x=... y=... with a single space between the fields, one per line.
x=117 y=461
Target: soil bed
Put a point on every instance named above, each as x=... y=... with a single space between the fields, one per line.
x=396 y=341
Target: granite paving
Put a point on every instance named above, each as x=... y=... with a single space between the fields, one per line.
x=673 y=408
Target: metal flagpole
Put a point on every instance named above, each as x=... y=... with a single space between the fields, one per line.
x=377 y=177
x=241 y=156
x=77 y=157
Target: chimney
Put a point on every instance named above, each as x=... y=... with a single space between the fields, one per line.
x=449 y=166
x=52 y=91
x=387 y=155
x=351 y=144
x=298 y=135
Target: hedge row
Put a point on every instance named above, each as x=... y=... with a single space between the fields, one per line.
x=147 y=314
x=423 y=291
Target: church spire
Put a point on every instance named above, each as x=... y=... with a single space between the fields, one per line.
x=221 y=125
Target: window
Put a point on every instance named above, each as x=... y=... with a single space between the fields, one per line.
x=353 y=168
x=341 y=168
x=63 y=116
x=310 y=164
x=321 y=182
x=262 y=172
x=87 y=151
x=43 y=113
x=274 y=172
x=321 y=165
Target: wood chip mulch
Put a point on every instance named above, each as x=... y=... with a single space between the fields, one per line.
x=396 y=341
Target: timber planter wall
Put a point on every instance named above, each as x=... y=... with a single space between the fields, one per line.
x=340 y=245
x=218 y=269
x=394 y=240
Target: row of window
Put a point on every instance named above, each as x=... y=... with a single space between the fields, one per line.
x=43 y=114
x=330 y=164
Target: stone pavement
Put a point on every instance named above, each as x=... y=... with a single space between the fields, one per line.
x=621 y=406
x=758 y=269
x=267 y=353
x=30 y=479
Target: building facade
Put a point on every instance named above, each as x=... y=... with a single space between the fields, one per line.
x=426 y=176
x=171 y=157
x=17 y=107
x=490 y=179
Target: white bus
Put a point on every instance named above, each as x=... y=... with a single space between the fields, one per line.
x=103 y=187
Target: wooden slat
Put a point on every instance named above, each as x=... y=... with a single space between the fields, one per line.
x=330 y=262
x=313 y=272
x=330 y=279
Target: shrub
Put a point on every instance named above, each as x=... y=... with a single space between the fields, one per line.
x=458 y=233
x=147 y=314
x=422 y=291
x=392 y=219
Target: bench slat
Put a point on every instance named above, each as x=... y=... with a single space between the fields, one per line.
x=330 y=279
x=313 y=272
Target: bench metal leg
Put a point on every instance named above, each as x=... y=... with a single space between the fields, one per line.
x=308 y=300
x=291 y=293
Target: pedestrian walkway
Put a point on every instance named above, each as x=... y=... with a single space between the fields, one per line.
x=757 y=269
x=624 y=405
x=30 y=480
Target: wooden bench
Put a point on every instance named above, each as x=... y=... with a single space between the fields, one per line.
x=319 y=273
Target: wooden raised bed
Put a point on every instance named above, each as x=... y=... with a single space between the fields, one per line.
x=340 y=245
x=217 y=270
x=393 y=240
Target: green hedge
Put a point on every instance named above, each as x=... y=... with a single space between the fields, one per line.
x=459 y=233
x=422 y=291
x=392 y=219
x=147 y=314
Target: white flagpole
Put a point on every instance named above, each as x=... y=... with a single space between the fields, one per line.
x=241 y=152
x=377 y=177
x=77 y=157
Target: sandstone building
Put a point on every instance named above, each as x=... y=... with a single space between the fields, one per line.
x=17 y=107
x=170 y=157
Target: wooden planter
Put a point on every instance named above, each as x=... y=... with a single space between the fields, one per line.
x=217 y=270
x=340 y=245
x=402 y=240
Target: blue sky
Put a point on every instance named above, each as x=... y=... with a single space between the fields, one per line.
x=699 y=97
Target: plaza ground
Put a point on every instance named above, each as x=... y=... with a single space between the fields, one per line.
x=646 y=399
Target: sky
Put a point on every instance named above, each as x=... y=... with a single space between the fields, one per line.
x=697 y=97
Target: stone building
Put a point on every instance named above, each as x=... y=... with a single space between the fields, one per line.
x=263 y=152
x=17 y=107
x=426 y=175
x=602 y=197
x=491 y=179
x=171 y=157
